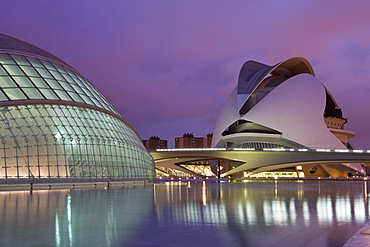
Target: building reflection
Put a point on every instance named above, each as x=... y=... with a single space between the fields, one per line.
x=264 y=206
x=74 y=217
x=241 y=212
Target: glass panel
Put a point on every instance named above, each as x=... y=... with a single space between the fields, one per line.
x=66 y=86
x=44 y=73
x=70 y=72
x=39 y=82
x=77 y=81
x=77 y=88
x=48 y=93
x=53 y=84
x=23 y=81
x=5 y=81
x=13 y=69
x=20 y=60
x=14 y=93
x=59 y=68
x=68 y=78
x=57 y=75
x=86 y=99
x=2 y=71
x=96 y=103
x=48 y=65
x=35 y=62
x=76 y=97
x=32 y=93
x=3 y=97
x=63 y=95
x=30 y=71
x=87 y=92
x=6 y=59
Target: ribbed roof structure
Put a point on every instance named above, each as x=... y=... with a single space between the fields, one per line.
x=56 y=125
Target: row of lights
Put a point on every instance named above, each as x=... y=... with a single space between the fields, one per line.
x=266 y=149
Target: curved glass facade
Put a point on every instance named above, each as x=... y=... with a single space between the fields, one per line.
x=56 y=126
x=29 y=78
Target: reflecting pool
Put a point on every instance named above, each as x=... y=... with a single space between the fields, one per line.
x=251 y=213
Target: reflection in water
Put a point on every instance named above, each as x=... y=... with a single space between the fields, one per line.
x=325 y=213
x=73 y=217
x=308 y=212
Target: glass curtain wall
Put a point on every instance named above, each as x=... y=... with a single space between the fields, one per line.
x=62 y=141
x=59 y=140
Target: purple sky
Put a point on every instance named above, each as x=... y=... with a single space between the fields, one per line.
x=168 y=66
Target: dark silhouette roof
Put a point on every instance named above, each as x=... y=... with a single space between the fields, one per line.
x=12 y=44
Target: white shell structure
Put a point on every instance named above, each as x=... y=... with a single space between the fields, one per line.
x=281 y=106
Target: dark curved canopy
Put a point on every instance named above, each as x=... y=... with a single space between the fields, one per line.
x=13 y=44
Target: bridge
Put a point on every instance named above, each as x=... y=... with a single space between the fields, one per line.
x=259 y=160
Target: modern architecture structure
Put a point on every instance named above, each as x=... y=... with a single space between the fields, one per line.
x=57 y=126
x=284 y=106
x=279 y=121
x=155 y=142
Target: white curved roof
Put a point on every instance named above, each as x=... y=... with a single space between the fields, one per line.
x=261 y=86
x=296 y=109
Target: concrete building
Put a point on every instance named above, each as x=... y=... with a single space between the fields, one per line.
x=155 y=142
x=284 y=106
x=189 y=141
x=56 y=126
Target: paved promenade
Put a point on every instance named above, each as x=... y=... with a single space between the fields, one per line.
x=361 y=238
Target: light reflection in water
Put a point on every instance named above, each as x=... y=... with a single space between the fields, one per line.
x=69 y=218
x=324 y=210
x=209 y=214
x=289 y=206
x=306 y=213
x=204 y=193
x=292 y=210
x=365 y=191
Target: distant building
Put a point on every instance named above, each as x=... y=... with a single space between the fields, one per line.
x=155 y=142
x=189 y=141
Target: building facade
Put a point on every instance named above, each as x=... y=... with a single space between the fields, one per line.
x=57 y=126
x=155 y=142
x=189 y=141
x=284 y=106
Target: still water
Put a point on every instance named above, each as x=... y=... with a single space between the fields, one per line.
x=284 y=213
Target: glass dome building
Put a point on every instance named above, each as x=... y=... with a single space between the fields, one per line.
x=55 y=126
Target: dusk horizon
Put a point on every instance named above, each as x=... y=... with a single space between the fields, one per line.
x=168 y=67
